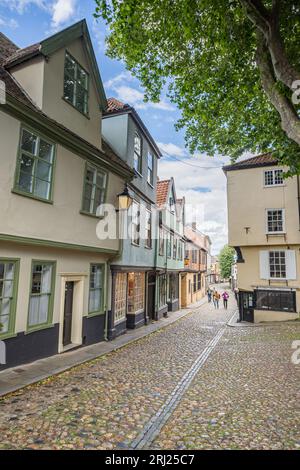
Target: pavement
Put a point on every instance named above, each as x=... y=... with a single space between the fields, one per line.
x=18 y=377
x=194 y=384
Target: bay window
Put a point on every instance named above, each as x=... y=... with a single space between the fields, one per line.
x=120 y=301
x=136 y=292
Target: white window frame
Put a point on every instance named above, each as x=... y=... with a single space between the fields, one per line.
x=285 y=264
x=273 y=185
x=268 y=232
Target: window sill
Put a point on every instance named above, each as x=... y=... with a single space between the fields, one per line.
x=151 y=185
x=31 y=196
x=273 y=185
x=4 y=336
x=95 y=314
x=94 y=216
x=276 y=233
x=137 y=173
x=135 y=244
x=38 y=328
x=86 y=115
x=148 y=247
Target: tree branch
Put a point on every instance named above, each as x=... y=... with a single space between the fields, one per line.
x=268 y=23
x=290 y=121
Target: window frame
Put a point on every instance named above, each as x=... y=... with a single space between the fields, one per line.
x=274 y=278
x=102 y=301
x=40 y=136
x=94 y=188
x=138 y=224
x=268 y=232
x=138 y=170
x=71 y=103
x=150 y=170
x=148 y=231
x=13 y=309
x=115 y=286
x=268 y=292
x=49 y=323
x=276 y=185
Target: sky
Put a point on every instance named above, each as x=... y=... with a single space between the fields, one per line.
x=199 y=178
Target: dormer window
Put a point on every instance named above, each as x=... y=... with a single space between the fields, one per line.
x=137 y=153
x=76 y=84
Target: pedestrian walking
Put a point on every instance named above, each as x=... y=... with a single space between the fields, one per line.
x=208 y=295
x=216 y=298
x=225 y=297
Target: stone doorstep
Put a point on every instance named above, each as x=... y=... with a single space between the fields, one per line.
x=244 y=324
x=12 y=381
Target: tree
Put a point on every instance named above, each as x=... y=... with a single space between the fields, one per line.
x=230 y=67
x=226 y=260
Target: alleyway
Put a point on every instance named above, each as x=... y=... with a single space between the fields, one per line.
x=197 y=384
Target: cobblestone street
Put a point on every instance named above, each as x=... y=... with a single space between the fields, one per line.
x=242 y=392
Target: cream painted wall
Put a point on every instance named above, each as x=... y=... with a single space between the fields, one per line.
x=30 y=75
x=57 y=108
x=43 y=80
x=249 y=278
x=248 y=200
x=68 y=262
x=60 y=221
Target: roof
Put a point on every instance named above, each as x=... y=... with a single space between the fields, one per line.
x=115 y=107
x=265 y=159
x=7 y=47
x=53 y=43
x=15 y=90
x=162 y=191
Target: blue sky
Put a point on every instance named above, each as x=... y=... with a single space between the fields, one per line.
x=198 y=178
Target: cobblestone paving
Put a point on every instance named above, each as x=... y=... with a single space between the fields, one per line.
x=244 y=396
x=247 y=395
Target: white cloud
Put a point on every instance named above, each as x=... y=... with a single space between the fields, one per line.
x=21 y=5
x=191 y=175
x=131 y=95
x=9 y=23
x=62 y=11
x=172 y=149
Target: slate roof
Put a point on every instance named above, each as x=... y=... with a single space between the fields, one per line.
x=265 y=159
x=7 y=47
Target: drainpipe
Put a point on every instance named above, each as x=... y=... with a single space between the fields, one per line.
x=298 y=197
x=117 y=255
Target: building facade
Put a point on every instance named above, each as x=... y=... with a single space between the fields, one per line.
x=169 y=247
x=194 y=278
x=264 y=222
x=56 y=171
x=133 y=272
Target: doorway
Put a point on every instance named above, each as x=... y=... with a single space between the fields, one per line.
x=68 y=313
x=247 y=306
x=151 y=297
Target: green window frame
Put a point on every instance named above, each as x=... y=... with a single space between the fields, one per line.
x=41 y=295
x=9 y=279
x=94 y=189
x=96 y=288
x=76 y=84
x=35 y=165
